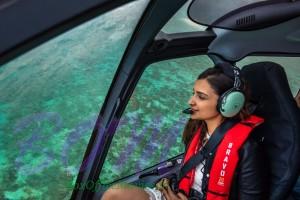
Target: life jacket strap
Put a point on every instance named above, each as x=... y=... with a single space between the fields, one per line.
x=209 y=148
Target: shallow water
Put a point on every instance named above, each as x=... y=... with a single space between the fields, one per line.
x=51 y=96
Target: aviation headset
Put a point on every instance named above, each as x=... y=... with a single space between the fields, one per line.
x=231 y=101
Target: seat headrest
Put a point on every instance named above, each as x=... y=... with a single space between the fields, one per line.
x=270 y=89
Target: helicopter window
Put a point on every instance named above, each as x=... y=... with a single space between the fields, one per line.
x=290 y=65
x=180 y=22
x=49 y=102
x=151 y=127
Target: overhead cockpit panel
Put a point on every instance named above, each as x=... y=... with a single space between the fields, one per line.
x=243 y=15
x=250 y=26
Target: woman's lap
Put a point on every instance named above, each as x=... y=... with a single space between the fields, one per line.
x=125 y=192
x=154 y=194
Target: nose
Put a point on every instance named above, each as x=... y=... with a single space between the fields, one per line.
x=191 y=100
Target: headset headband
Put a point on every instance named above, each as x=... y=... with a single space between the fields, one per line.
x=233 y=72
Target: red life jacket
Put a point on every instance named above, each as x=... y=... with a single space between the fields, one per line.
x=225 y=160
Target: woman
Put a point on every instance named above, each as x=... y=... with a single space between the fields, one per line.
x=239 y=175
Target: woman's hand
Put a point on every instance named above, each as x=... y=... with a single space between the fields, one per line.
x=168 y=193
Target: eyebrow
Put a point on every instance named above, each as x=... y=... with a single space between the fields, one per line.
x=201 y=93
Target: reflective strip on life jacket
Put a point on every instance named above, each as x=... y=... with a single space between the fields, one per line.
x=225 y=160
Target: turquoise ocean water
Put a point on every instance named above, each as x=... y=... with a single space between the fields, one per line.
x=51 y=96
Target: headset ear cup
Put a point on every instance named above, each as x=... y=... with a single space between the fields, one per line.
x=220 y=102
x=230 y=103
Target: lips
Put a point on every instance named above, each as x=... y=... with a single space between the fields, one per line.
x=194 y=110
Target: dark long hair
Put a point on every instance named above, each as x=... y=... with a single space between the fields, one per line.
x=220 y=84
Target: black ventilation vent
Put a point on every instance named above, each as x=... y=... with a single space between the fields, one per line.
x=245 y=20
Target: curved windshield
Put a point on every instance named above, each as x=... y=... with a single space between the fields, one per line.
x=180 y=22
x=49 y=102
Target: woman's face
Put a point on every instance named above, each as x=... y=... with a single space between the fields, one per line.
x=204 y=101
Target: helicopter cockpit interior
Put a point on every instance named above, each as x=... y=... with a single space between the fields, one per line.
x=92 y=95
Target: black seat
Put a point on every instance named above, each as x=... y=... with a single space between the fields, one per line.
x=281 y=130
